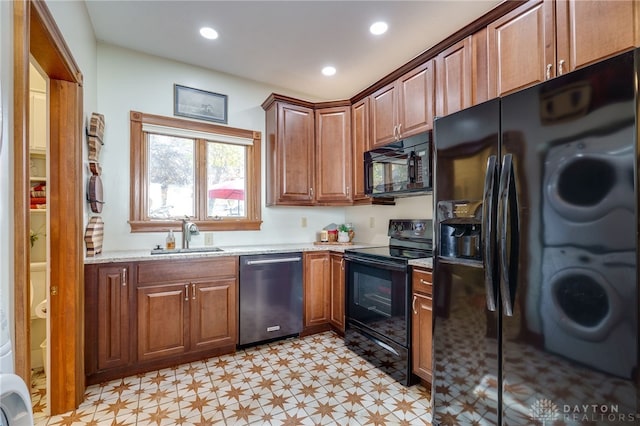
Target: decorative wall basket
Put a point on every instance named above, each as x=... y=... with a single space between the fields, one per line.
x=93 y=236
x=95 y=132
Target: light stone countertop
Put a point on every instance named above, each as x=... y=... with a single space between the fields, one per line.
x=142 y=255
x=426 y=262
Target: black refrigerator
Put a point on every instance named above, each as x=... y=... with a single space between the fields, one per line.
x=535 y=254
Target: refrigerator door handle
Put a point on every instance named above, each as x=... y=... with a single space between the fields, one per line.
x=503 y=218
x=487 y=232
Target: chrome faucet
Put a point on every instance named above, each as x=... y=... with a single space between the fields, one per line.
x=188 y=229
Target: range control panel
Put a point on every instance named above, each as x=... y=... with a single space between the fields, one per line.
x=411 y=229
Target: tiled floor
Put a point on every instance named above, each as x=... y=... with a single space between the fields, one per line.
x=310 y=381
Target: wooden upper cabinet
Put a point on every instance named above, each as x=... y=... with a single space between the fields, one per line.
x=521 y=47
x=333 y=155
x=588 y=31
x=290 y=154
x=415 y=107
x=543 y=39
x=454 y=78
x=384 y=118
x=404 y=107
x=360 y=144
x=309 y=152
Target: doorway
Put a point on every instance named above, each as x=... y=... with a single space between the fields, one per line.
x=35 y=35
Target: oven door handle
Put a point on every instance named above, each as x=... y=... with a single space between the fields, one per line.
x=376 y=263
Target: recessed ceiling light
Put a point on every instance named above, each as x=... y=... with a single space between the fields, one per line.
x=328 y=71
x=378 y=28
x=209 y=33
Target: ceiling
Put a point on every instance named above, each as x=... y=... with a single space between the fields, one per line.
x=286 y=43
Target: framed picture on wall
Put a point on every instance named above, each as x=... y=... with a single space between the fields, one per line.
x=200 y=104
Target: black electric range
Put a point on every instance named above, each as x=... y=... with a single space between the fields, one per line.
x=378 y=294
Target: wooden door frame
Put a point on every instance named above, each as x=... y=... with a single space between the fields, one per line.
x=36 y=34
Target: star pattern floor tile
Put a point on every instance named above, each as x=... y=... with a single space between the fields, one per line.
x=314 y=380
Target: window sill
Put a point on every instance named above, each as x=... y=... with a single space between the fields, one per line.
x=209 y=225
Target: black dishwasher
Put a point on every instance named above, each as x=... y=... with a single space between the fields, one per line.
x=270 y=297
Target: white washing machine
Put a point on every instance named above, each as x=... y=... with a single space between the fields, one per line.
x=588 y=194
x=15 y=399
x=588 y=307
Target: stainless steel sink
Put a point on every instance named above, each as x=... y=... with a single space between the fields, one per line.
x=186 y=250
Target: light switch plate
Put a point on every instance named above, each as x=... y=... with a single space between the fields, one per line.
x=208 y=238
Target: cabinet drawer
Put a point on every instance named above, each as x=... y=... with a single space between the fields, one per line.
x=422 y=281
x=154 y=272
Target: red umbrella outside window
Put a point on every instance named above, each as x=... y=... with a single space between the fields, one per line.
x=229 y=190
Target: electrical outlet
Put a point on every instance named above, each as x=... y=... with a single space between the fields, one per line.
x=372 y=222
x=208 y=238
x=303 y=222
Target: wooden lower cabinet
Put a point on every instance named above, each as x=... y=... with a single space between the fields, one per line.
x=337 y=297
x=162 y=321
x=422 y=324
x=316 y=291
x=146 y=315
x=112 y=319
x=216 y=297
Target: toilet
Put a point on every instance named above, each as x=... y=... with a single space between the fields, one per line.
x=38 y=312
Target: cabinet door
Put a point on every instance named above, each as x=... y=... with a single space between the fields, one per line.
x=37 y=121
x=333 y=154
x=162 y=321
x=295 y=153
x=337 y=291
x=384 y=116
x=213 y=314
x=521 y=48
x=588 y=31
x=113 y=316
x=454 y=68
x=422 y=336
x=415 y=100
x=317 y=282
x=360 y=142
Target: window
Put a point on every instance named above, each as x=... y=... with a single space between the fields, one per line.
x=207 y=172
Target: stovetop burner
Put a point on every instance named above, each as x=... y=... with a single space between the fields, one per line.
x=394 y=252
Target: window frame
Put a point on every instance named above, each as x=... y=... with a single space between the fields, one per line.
x=138 y=193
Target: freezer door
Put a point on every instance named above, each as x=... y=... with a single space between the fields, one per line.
x=465 y=339
x=567 y=223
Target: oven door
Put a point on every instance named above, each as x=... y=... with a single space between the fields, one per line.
x=378 y=297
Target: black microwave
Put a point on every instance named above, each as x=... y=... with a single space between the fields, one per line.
x=401 y=168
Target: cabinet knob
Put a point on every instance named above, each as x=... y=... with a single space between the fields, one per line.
x=124 y=277
x=413 y=305
x=548 y=72
x=311 y=192
x=348 y=191
x=561 y=67
x=186 y=292
x=423 y=281
x=193 y=291
x=399 y=131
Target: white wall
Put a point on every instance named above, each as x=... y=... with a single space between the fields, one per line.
x=129 y=80
x=371 y=222
x=6 y=173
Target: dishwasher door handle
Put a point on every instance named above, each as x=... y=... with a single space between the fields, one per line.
x=269 y=261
